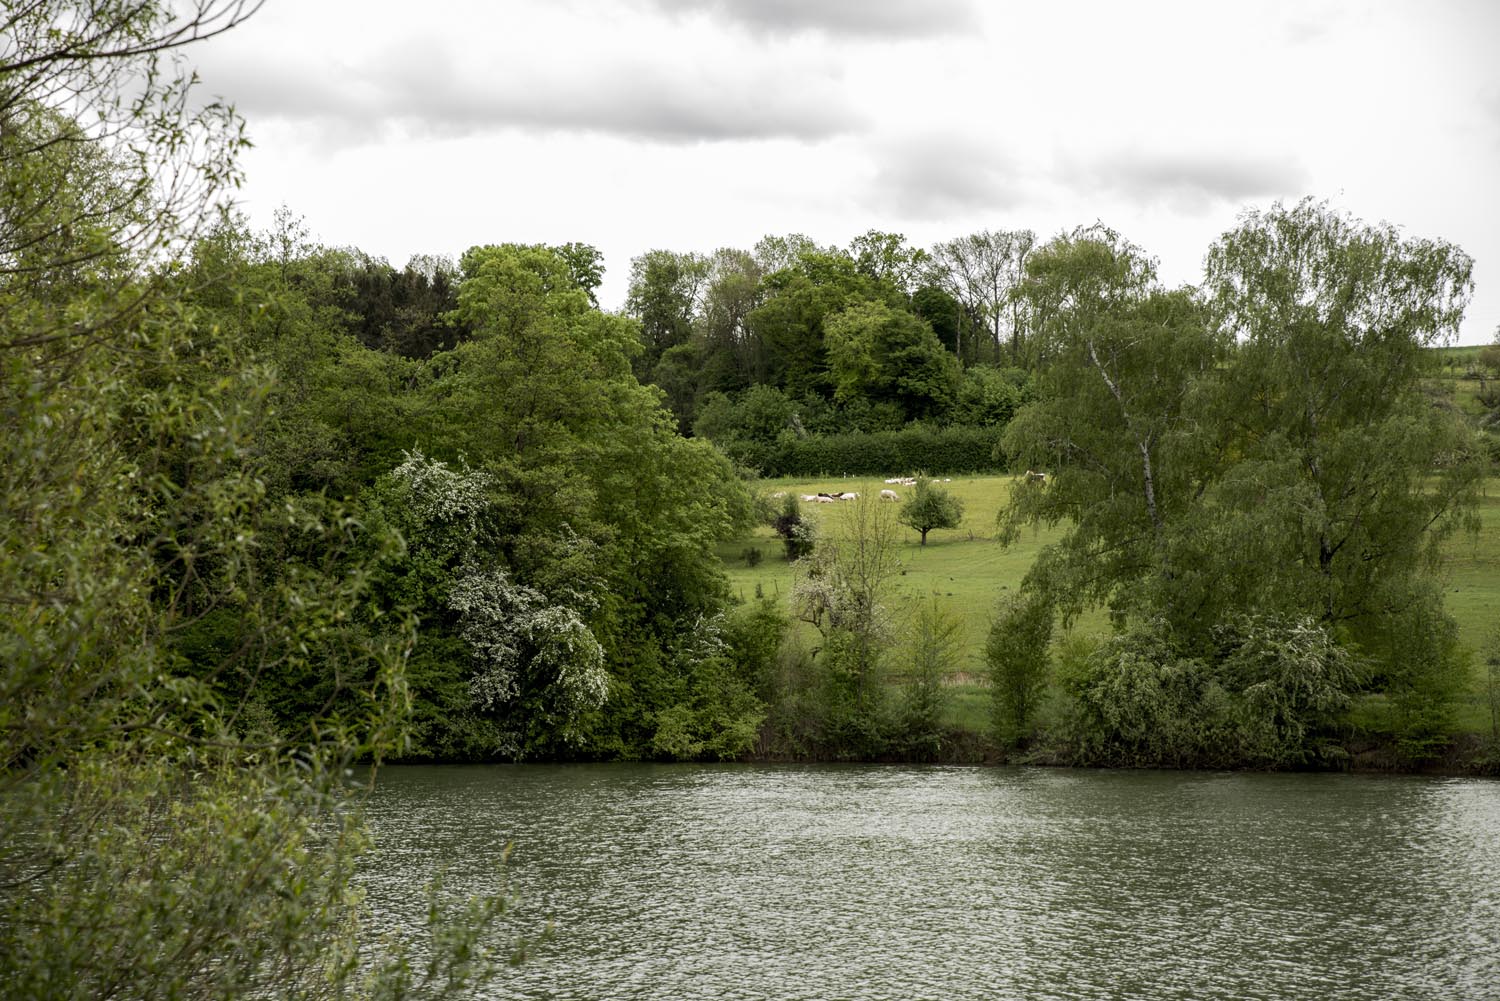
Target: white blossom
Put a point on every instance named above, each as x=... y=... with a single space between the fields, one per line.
x=513 y=633
x=438 y=494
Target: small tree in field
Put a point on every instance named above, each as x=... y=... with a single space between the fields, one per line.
x=799 y=536
x=930 y=506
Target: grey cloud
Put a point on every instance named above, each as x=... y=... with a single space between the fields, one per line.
x=898 y=19
x=1188 y=180
x=936 y=177
x=419 y=90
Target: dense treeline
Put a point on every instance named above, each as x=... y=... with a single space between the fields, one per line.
x=558 y=532
x=761 y=350
x=195 y=650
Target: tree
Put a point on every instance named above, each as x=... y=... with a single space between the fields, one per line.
x=890 y=356
x=1333 y=318
x=163 y=837
x=798 y=536
x=1116 y=424
x=666 y=294
x=1018 y=657
x=105 y=167
x=886 y=258
x=1266 y=452
x=841 y=591
x=933 y=647
x=930 y=506
x=982 y=272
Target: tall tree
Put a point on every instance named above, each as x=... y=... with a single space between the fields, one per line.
x=888 y=355
x=1115 y=426
x=1272 y=472
x=1333 y=317
x=666 y=294
x=161 y=839
x=886 y=258
x=982 y=271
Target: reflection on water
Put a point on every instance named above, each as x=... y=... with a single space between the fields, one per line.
x=678 y=881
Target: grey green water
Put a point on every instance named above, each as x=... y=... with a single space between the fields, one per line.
x=906 y=882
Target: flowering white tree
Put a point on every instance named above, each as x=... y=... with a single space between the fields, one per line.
x=519 y=641
x=525 y=646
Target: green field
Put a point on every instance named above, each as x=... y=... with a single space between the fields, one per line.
x=965 y=569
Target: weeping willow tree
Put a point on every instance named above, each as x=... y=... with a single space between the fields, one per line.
x=157 y=838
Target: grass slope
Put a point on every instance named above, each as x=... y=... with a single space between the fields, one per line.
x=965 y=570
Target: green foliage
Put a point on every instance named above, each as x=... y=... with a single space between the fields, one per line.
x=1267 y=452
x=1268 y=696
x=165 y=834
x=981 y=273
x=842 y=591
x=799 y=537
x=950 y=451
x=990 y=397
x=666 y=290
x=889 y=355
x=1018 y=654
x=930 y=506
x=714 y=714
x=931 y=654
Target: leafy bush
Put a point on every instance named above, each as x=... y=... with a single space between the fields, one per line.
x=932 y=650
x=1267 y=697
x=1017 y=653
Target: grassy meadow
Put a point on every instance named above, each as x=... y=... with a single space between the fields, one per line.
x=965 y=570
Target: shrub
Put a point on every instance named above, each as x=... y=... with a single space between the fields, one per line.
x=1017 y=653
x=948 y=451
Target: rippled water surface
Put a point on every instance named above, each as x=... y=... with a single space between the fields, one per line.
x=902 y=882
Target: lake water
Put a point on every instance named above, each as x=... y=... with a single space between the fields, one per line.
x=680 y=881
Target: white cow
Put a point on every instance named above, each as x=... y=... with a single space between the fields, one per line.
x=889 y=495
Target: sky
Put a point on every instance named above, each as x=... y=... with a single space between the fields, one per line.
x=409 y=128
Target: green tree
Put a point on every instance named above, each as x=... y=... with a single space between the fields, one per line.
x=930 y=506
x=1267 y=453
x=1018 y=655
x=933 y=647
x=666 y=292
x=982 y=272
x=1116 y=423
x=888 y=355
x=1360 y=478
x=163 y=837
x=886 y=258
x=797 y=535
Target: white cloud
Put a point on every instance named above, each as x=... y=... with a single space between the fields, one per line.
x=893 y=19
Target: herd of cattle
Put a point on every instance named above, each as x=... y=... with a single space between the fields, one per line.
x=849 y=495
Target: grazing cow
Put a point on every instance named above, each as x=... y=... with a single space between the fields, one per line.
x=890 y=495
x=851 y=495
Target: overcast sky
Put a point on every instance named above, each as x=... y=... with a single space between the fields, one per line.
x=404 y=128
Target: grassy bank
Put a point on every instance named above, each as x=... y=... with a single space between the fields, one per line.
x=965 y=570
